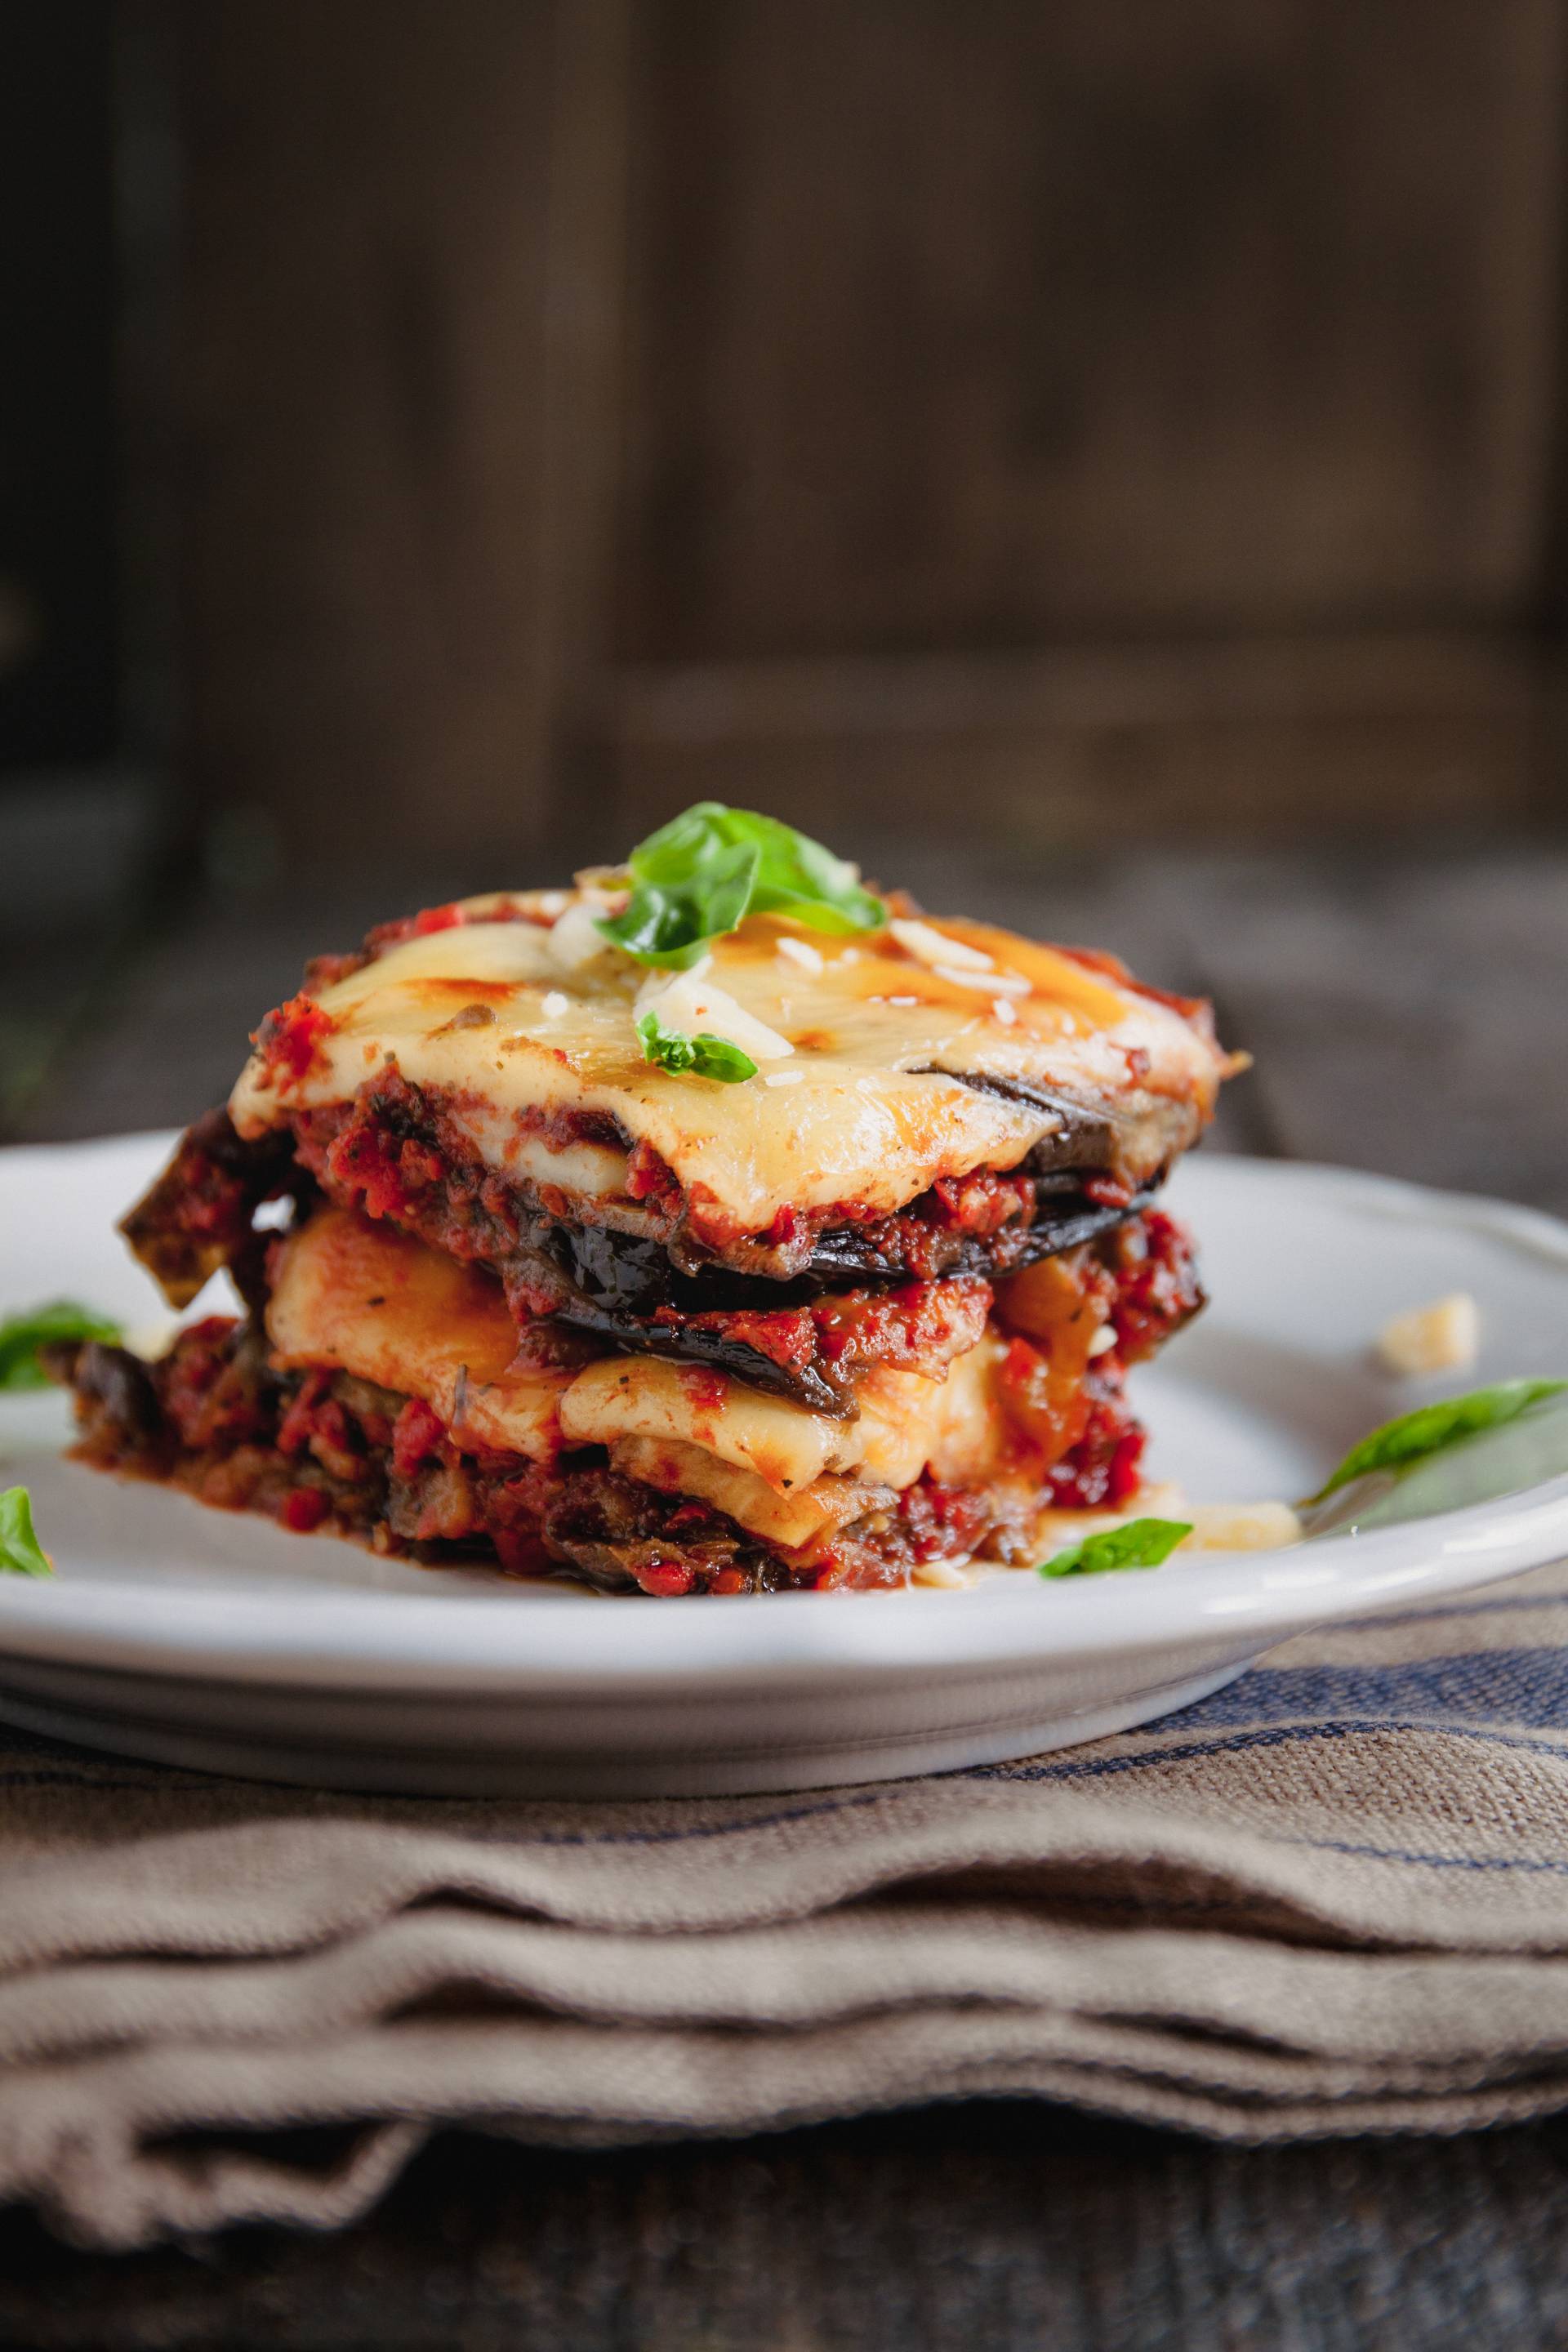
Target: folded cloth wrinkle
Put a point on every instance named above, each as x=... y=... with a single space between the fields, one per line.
x=827 y=1969
x=1330 y=1898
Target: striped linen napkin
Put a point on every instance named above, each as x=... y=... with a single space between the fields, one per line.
x=1330 y=1898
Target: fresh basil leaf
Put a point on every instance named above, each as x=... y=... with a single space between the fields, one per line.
x=1431 y=1427
x=798 y=876
x=22 y=1336
x=669 y=922
x=21 y=1554
x=699 y=1058
x=701 y=874
x=1137 y=1543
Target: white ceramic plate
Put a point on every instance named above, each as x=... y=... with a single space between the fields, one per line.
x=195 y=1637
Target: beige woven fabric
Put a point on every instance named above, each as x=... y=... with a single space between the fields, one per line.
x=1331 y=1898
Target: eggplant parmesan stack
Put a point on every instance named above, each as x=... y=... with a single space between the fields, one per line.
x=712 y=1227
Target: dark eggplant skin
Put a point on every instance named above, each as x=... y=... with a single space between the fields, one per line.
x=622 y=1284
x=1064 y=1217
x=114 y=1386
x=1138 y=1141
x=617 y=1277
x=196 y=1217
x=799 y=1384
x=613 y=1284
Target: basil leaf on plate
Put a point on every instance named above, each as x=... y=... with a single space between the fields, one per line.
x=21 y=1554
x=699 y=1057
x=22 y=1336
x=1137 y=1543
x=1431 y=1427
x=701 y=876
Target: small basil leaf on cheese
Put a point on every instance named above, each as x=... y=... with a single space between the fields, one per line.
x=691 y=1003
x=21 y=1554
x=22 y=1336
x=1138 y=1543
x=701 y=874
x=1431 y=1427
x=697 y=1058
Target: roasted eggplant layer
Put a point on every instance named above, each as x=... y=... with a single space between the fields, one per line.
x=899 y=1288
x=323 y=1450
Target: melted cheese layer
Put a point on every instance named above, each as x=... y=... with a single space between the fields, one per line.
x=879 y=1037
x=366 y=1299
x=906 y=1421
x=791 y=1521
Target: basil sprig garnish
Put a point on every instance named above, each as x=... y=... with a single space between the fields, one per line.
x=699 y=1057
x=21 y=1554
x=702 y=873
x=22 y=1336
x=1139 y=1543
x=1431 y=1427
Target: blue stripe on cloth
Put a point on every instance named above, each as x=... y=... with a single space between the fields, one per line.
x=1070 y=1768
x=1527 y=1687
x=1552 y=1866
x=1284 y=1735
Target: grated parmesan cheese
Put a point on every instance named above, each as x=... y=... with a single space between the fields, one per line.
x=1445 y=1337
x=1241 y=1527
x=929 y=946
x=947 y=1573
x=695 y=1005
x=576 y=939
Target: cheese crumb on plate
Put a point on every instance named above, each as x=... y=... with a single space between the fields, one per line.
x=1444 y=1336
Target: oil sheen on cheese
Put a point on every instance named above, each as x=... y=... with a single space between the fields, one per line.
x=879 y=1036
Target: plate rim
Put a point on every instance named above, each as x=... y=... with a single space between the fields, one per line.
x=359 y=1639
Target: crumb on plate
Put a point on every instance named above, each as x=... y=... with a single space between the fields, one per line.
x=1442 y=1337
x=1242 y=1527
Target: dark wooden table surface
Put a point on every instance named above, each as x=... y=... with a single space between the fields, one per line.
x=1409 y=1013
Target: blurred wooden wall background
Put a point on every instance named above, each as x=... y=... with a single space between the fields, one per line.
x=989 y=410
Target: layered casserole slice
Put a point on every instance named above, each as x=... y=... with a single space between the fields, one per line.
x=714 y=1225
